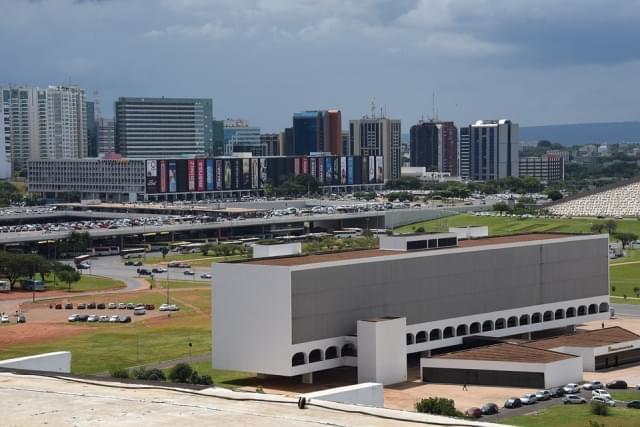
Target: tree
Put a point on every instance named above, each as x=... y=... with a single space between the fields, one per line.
x=611 y=226
x=13 y=266
x=597 y=227
x=180 y=373
x=636 y=290
x=626 y=238
x=531 y=184
x=554 y=195
x=77 y=242
x=165 y=251
x=438 y=406
x=69 y=276
x=501 y=207
x=403 y=183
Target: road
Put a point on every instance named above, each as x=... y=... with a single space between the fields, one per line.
x=632 y=310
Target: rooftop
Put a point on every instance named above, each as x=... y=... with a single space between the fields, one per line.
x=594 y=338
x=371 y=253
x=507 y=352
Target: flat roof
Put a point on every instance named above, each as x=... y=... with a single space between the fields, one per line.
x=371 y=253
x=507 y=352
x=594 y=338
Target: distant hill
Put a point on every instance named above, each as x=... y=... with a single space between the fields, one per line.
x=583 y=133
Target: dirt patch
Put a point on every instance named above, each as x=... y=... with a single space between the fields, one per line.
x=37 y=332
x=25 y=294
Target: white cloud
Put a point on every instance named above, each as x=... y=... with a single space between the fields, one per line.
x=209 y=30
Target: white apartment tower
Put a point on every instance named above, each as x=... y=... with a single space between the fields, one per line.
x=378 y=136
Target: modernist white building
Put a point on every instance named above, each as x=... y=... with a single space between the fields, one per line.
x=297 y=315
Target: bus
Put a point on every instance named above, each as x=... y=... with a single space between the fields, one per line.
x=133 y=253
x=80 y=259
x=346 y=233
x=106 y=250
x=32 y=285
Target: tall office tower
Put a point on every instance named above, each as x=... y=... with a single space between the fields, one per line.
x=92 y=130
x=448 y=137
x=317 y=131
x=378 y=136
x=216 y=148
x=63 y=117
x=464 y=150
x=289 y=147
x=271 y=142
x=347 y=147
x=239 y=137
x=21 y=125
x=434 y=145
x=494 y=150
x=106 y=136
x=160 y=127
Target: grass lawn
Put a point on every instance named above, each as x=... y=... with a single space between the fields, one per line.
x=625 y=277
x=86 y=283
x=181 y=284
x=196 y=260
x=105 y=346
x=626 y=396
x=575 y=416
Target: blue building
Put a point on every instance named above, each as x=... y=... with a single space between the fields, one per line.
x=307 y=132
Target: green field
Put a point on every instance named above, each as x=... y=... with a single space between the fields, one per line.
x=575 y=416
x=86 y=283
x=626 y=396
x=625 y=277
x=220 y=377
x=511 y=225
x=181 y=284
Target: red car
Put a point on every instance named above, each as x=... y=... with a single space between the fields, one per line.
x=473 y=412
x=149 y=307
x=58 y=306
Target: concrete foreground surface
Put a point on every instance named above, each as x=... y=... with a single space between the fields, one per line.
x=35 y=400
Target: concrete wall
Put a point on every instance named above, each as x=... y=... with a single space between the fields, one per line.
x=563 y=372
x=52 y=362
x=382 y=351
x=266 y=251
x=328 y=299
x=474 y=232
x=589 y=354
x=366 y=394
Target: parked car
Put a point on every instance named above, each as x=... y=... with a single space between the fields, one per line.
x=139 y=311
x=81 y=306
x=84 y=266
x=528 y=399
x=149 y=307
x=114 y=319
x=128 y=262
x=130 y=306
x=205 y=276
x=543 y=395
x=159 y=270
x=592 y=385
x=173 y=307
x=125 y=319
x=5 y=318
x=103 y=319
x=68 y=306
x=600 y=392
x=143 y=272
x=635 y=404
x=189 y=273
x=489 y=409
x=604 y=399
x=617 y=384
x=73 y=318
x=21 y=319
x=557 y=392
x=571 y=388
x=184 y=265
x=112 y=305
x=473 y=413
x=122 y=306
x=93 y=318
x=83 y=317
x=58 y=306
x=572 y=399
x=137 y=264
x=91 y=305
x=101 y=306
x=164 y=307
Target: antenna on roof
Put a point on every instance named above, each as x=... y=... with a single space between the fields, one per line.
x=373 y=108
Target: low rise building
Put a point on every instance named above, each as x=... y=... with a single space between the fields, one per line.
x=547 y=168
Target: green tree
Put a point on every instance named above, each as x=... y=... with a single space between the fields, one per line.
x=531 y=184
x=438 y=406
x=165 y=251
x=611 y=226
x=76 y=242
x=597 y=227
x=13 y=266
x=501 y=207
x=206 y=248
x=69 y=276
x=180 y=373
x=626 y=238
x=403 y=183
x=554 y=195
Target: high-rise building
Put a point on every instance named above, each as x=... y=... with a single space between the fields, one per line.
x=378 y=136
x=493 y=150
x=239 y=137
x=317 y=131
x=271 y=142
x=425 y=147
x=106 y=136
x=289 y=148
x=92 y=130
x=332 y=121
x=152 y=127
x=464 y=150
x=217 y=146
x=448 y=137
x=21 y=125
x=347 y=147
x=5 y=165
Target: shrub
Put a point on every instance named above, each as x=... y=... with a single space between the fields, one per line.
x=140 y=373
x=438 y=406
x=181 y=373
x=155 y=374
x=206 y=380
x=420 y=230
x=599 y=408
x=120 y=373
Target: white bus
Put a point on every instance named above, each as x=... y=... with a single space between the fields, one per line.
x=133 y=253
x=346 y=233
x=80 y=259
x=106 y=250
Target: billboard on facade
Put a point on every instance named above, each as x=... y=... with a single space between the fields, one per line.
x=200 y=175
x=255 y=171
x=227 y=174
x=313 y=170
x=328 y=170
x=236 y=172
x=163 y=176
x=246 y=174
x=173 y=179
x=372 y=169
x=296 y=166
x=191 y=175
x=336 y=171
x=152 y=176
x=219 y=179
x=182 y=175
x=350 y=170
x=305 y=165
x=263 y=172
x=210 y=175
x=365 y=169
x=379 y=170
x=343 y=170
x=321 y=170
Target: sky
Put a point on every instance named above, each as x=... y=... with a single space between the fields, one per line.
x=534 y=62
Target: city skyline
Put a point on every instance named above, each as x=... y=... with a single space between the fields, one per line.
x=543 y=63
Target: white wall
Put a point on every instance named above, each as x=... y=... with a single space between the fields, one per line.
x=283 y=249
x=366 y=394
x=589 y=354
x=563 y=372
x=52 y=362
x=382 y=351
x=470 y=232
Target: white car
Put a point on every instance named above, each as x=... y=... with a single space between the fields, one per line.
x=114 y=319
x=138 y=311
x=528 y=399
x=604 y=399
x=571 y=388
x=205 y=276
x=112 y=306
x=173 y=307
x=103 y=319
x=93 y=318
x=600 y=392
x=164 y=307
x=593 y=385
x=4 y=318
x=122 y=306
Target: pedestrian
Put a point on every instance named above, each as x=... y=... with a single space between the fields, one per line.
x=464 y=387
x=602 y=325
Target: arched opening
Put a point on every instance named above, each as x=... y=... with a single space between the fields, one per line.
x=315 y=355
x=448 y=332
x=435 y=334
x=548 y=316
x=559 y=314
x=512 y=322
x=487 y=326
x=409 y=339
x=461 y=330
x=593 y=309
x=298 y=359
x=571 y=312
x=536 y=318
x=604 y=307
x=331 y=353
x=421 y=337
x=475 y=328
x=501 y=323
x=582 y=310
x=348 y=350
x=524 y=319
